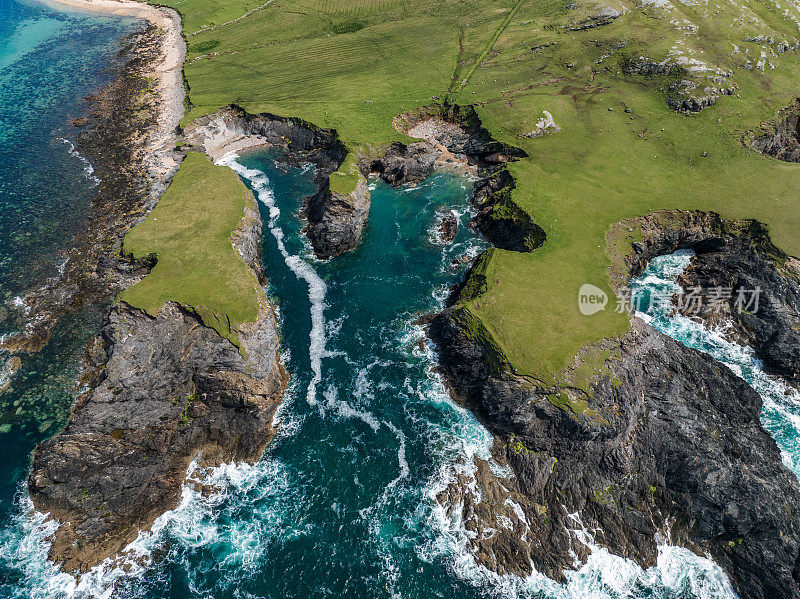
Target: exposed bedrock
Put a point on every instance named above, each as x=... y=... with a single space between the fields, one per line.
x=163 y=391
x=233 y=129
x=739 y=260
x=335 y=220
x=781 y=139
x=663 y=440
x=767 y=290
x=453 y=137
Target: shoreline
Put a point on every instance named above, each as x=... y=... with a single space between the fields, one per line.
x=168 y=71
x=135 y=157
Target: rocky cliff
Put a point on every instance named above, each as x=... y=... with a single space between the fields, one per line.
x=163 y=391
x=453 y=137
x=335 y=220
x=781 y=138
x=662 y=441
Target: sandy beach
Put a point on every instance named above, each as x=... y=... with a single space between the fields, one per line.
x=160 y=158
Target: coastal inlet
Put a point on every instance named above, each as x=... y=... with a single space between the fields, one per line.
x=344 y=501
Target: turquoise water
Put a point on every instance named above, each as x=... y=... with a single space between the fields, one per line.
x=48 y=62
x=342 y=504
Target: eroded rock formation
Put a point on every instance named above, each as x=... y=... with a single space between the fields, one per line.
x=663 y=439
x=782 y=138
x=335 y=220
x=453 y=137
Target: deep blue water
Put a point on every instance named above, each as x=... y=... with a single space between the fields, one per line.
x=342 y=504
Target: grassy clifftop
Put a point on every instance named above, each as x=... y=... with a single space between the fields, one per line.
x=189 y=233
x=353 y=65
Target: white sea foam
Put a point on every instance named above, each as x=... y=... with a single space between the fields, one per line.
x=25 y=545
x=401 y=457
x=88 y=169
x=780 y=414
x=345 y=410
x=678 y=571
x=316 y=286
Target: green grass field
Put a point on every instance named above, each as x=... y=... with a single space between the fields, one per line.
x=355 y=65
x=189 y=232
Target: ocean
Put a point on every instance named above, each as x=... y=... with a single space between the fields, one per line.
x=49 y=61
x=342 y=504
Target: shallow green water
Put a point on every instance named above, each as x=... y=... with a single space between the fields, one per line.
x=48 y=62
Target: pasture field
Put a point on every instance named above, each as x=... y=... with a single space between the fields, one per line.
x=189 y=233
x=353 y=65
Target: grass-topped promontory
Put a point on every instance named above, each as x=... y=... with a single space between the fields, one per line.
x=622 y=151
x=189 y=233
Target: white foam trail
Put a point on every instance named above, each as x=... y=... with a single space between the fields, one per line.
x=88 y=169
x=316 y=286
x=345 y=410
x=401 y=457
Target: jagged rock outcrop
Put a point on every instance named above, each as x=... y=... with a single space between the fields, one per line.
x=505 y=225
x=454 y=135
x=335 y=220
x=404 y=164
x=645 y=67
x=664 y=437
x=448 y=228
x=758 y=300
x=687 y=91
x=738 y=259
x=233 y=129
x=782 y=140
x=687 y=95
x=605 y=16
x=163 y=391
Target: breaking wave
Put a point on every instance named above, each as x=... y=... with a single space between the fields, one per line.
x=780 y=414
x=88 y=169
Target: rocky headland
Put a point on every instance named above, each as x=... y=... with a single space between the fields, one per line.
x=661 y=442
x=164 y=389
